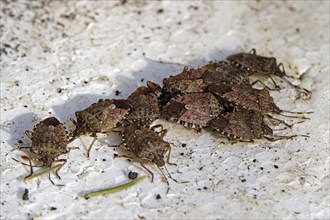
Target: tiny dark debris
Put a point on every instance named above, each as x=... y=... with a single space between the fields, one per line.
x=276 y=167
x=53 y=208
x=254 y=160
x=104 y=160
x=243 y=180
x=205 y=188
x=25 y=195
x=117 y=93
x=183 y=145
x=132 y=175
x=159 y=11
x=158 y=196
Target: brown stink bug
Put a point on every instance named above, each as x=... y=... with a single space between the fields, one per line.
x=223 y=72
x=247 y=97
x=192 y=110
x=101 y=117
x=146 y=146
x=245 y=125
x=189 y=81
x=256 y=64
x=49 y=141
x=144 y=105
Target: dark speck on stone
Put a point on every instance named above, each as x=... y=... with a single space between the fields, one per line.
x=26 y=195
x=183 y=145
x=53 y=208
x=158 y=196
x=117 y=92
x=276 y=167
x=159 y=11
x=142 y=80
x=243 y=180
x=132 y=175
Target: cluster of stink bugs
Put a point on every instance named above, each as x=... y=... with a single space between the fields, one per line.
x=219 y=97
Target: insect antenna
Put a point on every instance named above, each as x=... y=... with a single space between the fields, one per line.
x=293 y=116
x=293 y=112
x=272 y=120
x=279 y=137
x=307 y=92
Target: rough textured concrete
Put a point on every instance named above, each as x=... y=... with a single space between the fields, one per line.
x=59 y=57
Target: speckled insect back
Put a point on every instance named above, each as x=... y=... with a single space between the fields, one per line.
x=242 y=125
x=192 y=110
x=189 y=81
x=49 y=141
x=246 y=125
x=144 y=105
x=224 y=72
x=254 y=63
x=146 y=146
x=267 y=66
x=100 y=117
x=247 y=97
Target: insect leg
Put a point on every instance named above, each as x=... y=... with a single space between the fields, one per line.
x=149 y=171
x=276 y=86
x=168 y=157
x=273 y=120
x=90 y=147
x=56 y=171
x=30 y=165
x=168 y=184
x=270 y=89
x=28 y=134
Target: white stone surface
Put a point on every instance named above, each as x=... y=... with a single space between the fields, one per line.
x=58 y=57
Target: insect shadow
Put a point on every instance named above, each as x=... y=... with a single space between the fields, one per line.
x=17 y=128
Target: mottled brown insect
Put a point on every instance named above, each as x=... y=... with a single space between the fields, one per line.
x=101 y=117
x=189 y=81
x=144 y=105
x=249 y=98
x=256 y=64
x=146 y=146
x=49 y=141
x=223 y=72
x=192 y=110
x=245 y=125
